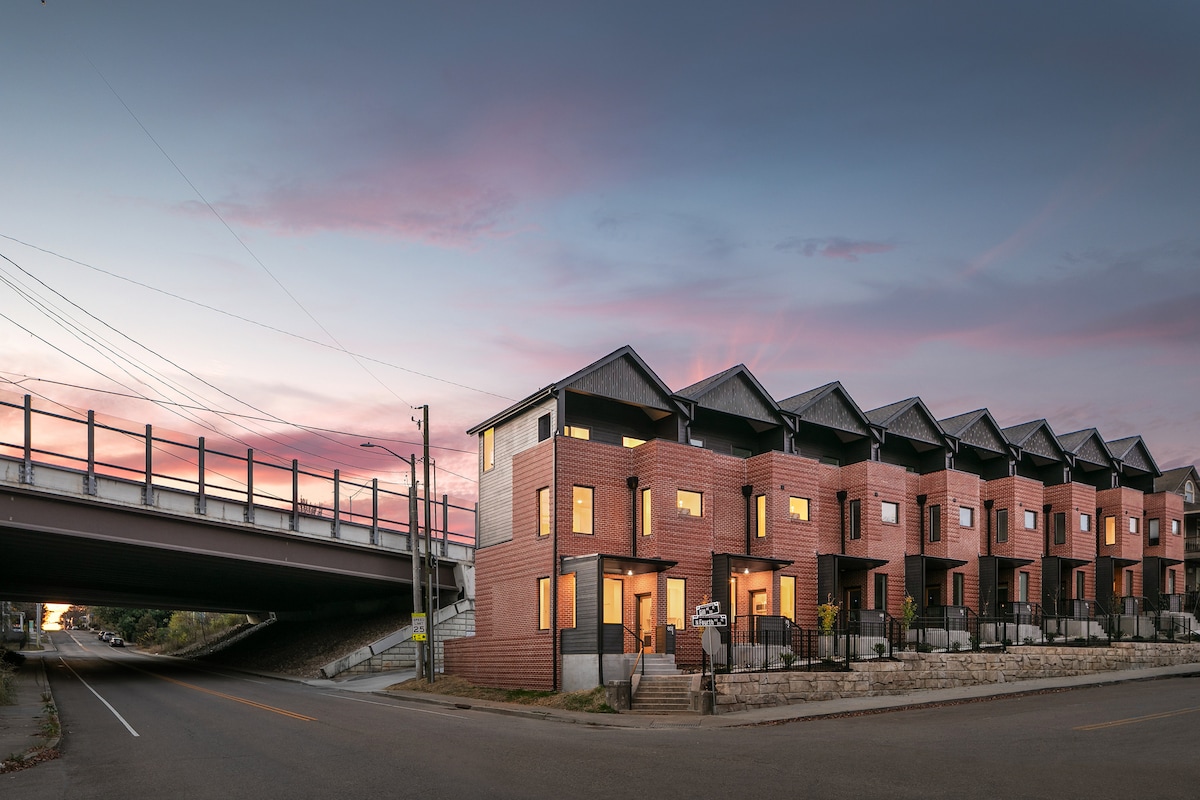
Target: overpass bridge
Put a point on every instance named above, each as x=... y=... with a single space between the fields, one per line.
x=92 y=513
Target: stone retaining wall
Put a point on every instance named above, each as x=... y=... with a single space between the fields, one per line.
x=911 y=672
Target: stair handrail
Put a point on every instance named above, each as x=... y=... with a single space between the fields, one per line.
x=641 y=652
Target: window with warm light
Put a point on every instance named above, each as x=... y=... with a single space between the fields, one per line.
x=733 y=598
x=758 y=602
x=489 y=449
x=689 y=504
x=543 y=500
x=566 y=586
x=787 y=597
x=543 y=604
x=629 y=441
x=1110 y=530
x=760 y=515
x=676 y=602
x=578 y=432
x=798 y=509
x=647 y=513
x=614 y=601
x=889 y=512
x=582 y=510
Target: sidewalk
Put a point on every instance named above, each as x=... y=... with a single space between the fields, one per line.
x=21 y=723
x=775 y=714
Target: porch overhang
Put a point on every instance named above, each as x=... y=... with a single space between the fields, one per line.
x=743 y=564
x=845 y=563
x=1163 y=561
x=942 y=564
x=617 y=565
x=1006 y=562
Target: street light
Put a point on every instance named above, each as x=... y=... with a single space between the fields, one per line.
x=422 y=660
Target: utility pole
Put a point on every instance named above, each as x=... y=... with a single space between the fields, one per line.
x=414 y=543
x=429 y=609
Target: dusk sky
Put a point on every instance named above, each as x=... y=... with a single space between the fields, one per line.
x=330 y=212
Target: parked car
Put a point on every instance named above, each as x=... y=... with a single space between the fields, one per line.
x=116 y=641
x=101 y=635
x=107 y=636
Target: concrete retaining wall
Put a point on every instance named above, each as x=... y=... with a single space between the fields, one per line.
x=912 y=672
x=398 y=650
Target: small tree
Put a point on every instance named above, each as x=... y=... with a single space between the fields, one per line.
x=827 y=613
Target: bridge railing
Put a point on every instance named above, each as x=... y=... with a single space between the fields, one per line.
x=153 y=461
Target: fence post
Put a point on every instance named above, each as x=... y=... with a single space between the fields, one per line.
x=201 y=500
x=250 y=485
x=89 y=482
x=148 y=490
x=27 y=465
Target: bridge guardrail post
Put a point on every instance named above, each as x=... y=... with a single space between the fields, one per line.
x=89 y=480
x=27 y=465
x=148 y=489
x=201 y=498
x=295 y=495
x=335 y=527
x=374 y=510
x=250 y=485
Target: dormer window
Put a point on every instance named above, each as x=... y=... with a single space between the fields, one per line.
x=1189 y=492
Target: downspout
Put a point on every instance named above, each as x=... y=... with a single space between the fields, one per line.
x=747 y=490
x=632 y=483
x=921 y=499
x=841 y=498
x=1046 y=530
x=554 y=682
x=987 y=506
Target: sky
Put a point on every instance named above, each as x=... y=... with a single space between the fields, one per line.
x=324 y=214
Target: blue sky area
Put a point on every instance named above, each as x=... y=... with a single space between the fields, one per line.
x=983 y=204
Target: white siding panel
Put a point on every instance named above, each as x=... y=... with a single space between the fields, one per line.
x=495 y=486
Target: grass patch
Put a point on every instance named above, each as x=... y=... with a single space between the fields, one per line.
x=592 y=701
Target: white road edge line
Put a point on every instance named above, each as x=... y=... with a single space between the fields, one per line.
x=393 y=705
x=107 y=705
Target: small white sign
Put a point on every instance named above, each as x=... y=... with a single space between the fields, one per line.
x=708 y=608
x=710 y=621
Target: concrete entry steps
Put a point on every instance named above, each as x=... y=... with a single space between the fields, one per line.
x=662 y=694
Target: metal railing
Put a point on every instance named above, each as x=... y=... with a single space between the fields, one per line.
x=156 y=462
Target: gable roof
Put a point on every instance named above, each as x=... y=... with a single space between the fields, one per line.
x=1036 y=438
x=908 y=419
x=828 y=406
x=1088 y=446
x=978 y=429
x=735 y=391
x=1134 y=455
x=1174 y=480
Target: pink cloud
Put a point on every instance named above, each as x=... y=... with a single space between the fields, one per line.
x=835 y=247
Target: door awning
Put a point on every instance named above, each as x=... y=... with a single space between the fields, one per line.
x=939 y=563
x=845 y=563
x=743 y=564
x=618 y=565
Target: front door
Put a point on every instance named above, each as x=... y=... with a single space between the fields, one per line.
x=933 y=595
x=645 y=621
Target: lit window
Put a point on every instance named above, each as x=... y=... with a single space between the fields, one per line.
x=629 y=441
x=543 y=497
x=613 y=601
x=566 y=586
x=489 y=449
x=1085 y=522
x=733 y=598
x=966 y=517
x=787 y=597
x=1110 y=530
x=1133 y=524
x=689 y=504
x=798 y=508
x=855 y=519
x=647 y=513
x=1031 y=520
x=935 y=523
x=889 y=512
x=1175 y=527
x=760 y=510
x=1152 y=532
x=1002 y=525
x=675 y=602
x=543 y=604
x=758 y=602
x=578 y=432
x=581 y=509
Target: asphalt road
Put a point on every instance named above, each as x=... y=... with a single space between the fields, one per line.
x=137 y=726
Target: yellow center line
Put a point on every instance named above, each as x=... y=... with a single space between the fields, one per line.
x=236 y=699
x=1117 y=722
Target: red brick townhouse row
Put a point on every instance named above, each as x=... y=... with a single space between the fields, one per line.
x=610 y=506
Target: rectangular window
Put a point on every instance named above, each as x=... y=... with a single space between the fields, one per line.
x=1133 y=524
x=543 y=427
x=1060 y=527
x=733 y=598
x=1170 y=581
x=1001 y=525
x=543 y=604
x=889 y=512
x=647 y=513
x=1080 y=585
x=614 y=601
x=881 y=591
x=798 y=508
x=935 y=523
x=1174 y=527
x=582 y=510
x=566 y=586
x=787 y=597
x=543 y=498
x=1023 y=587
x=741 y=452
x=1031 y=520
x=758 y=602
x=855 y=519
x=1110 y=530
x=578 y=432
x=1129 y=583
x=630 y=441
x=675 y=602
x=966 y=517
x=1152 y=532
x=689 y=504
x=1085 y=522
x=696 y=442
x=489 y=449
x=760 y=515
x=959 y=589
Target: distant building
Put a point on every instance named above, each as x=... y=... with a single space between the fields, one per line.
x=610 y=506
